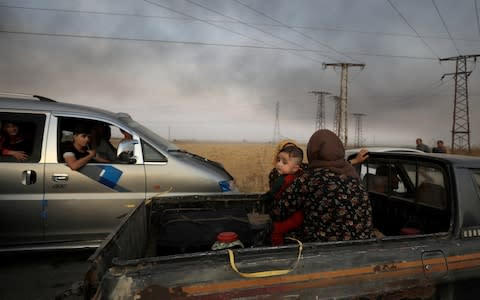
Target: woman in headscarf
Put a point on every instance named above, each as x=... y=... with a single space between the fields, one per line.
x=335 y=203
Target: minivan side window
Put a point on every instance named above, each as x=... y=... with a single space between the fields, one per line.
x=21 y=137
x=104 y=138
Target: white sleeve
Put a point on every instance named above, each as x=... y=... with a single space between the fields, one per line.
x=68 y=154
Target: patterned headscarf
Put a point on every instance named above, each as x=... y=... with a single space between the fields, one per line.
x=325 y=150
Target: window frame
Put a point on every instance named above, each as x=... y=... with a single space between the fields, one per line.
x=37 y=121
x=409 y=202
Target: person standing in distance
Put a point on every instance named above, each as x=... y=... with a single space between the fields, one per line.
x=440 y=147
x=421 y=146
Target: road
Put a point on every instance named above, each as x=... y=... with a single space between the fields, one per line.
x=43 y=275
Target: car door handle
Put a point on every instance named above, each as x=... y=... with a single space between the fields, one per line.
x=60 y=177
x=29 y=177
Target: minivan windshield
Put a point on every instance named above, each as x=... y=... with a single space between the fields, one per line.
x=148 y=134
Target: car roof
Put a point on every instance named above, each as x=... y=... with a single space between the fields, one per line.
x=383 y=149
x=460 y=161
x=40 y=103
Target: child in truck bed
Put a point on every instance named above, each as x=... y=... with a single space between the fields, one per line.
x=288 y=166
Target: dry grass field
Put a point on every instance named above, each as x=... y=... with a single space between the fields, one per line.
x=249 y=163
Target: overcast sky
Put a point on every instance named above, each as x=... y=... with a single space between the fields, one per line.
x=215 y=69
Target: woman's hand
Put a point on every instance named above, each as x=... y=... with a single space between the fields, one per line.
x=362 y=155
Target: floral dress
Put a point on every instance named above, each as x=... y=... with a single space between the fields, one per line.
x=336 y=207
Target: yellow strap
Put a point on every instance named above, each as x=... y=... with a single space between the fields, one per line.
x=266 y=273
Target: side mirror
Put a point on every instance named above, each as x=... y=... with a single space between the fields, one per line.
x=125 y=151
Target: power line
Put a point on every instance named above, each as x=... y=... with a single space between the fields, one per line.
x=285 y=25
x=187 y=42
x=203 y=21
x=218 y=26
x=258 y=24
x=445 y=26
x=375 y=33
x=64 y=35
x=411 y=27
x=251 y=26
x=148 y=40
x=423 y=92
x=92 y=12
x=392 y=56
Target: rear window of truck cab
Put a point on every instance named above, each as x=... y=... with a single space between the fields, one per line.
x=408 y=197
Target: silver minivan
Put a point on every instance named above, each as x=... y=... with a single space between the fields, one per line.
x=46 y=205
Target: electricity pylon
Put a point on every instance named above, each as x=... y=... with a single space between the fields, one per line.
x=343 y=124
x=276 y=130
x=320 y=117
x=461 y=118
x=336 y=118
x=358 y=129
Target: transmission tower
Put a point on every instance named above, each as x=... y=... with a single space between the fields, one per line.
x=276 y=130
x=320 y=119
x=358 y=129
x=461 y=119
x=336 y=119
x=343 y=124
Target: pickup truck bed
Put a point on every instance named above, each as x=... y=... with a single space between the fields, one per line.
x=440 y=258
